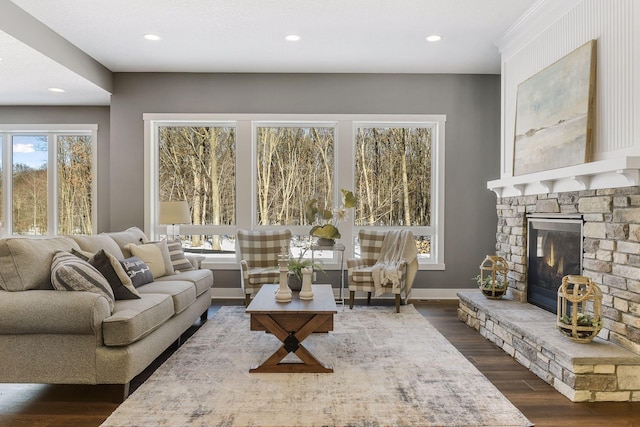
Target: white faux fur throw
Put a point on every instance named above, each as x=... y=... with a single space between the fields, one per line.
x=397 y=246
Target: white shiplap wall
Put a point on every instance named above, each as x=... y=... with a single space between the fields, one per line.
x=553 y=29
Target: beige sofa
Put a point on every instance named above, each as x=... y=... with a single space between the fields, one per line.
x=72 y=337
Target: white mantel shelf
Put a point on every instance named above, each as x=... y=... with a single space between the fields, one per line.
x=611 y=173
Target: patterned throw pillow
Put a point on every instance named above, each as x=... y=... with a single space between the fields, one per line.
x=178 y=260
x=154 y=255
x=137 y=270
x=70 y=273
x=109 y=266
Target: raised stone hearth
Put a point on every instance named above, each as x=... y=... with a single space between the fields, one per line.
x=598 y=371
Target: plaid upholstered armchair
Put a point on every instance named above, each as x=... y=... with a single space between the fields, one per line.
x=361 y=270
x=258 y=255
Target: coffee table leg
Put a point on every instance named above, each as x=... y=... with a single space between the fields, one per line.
x=292 y=343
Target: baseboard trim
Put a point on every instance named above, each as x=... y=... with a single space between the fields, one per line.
x=416 y=294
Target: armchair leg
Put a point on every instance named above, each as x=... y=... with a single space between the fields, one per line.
x=352 y=294
x=247 y=299
x=398 y=299
x=368 y=298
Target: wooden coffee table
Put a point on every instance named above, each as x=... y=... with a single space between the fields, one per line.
x=292 y=322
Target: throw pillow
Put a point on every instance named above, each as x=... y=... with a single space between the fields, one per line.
x=178 y=259
x=94 y=242
x=70 y=273
x=151 y=254
x=137 y=270
x=164 y=250
x=109 y=266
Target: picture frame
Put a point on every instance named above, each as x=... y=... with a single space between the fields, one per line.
x=554 y=114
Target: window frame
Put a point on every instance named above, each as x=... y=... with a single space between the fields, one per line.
x=344 y=173
x=51 y=131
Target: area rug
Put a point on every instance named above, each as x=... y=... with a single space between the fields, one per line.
x=390 y=369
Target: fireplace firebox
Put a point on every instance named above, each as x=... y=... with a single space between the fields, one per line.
x=554 y=251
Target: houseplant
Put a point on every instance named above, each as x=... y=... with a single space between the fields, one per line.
x=490 y=288
x=579 y=308
x=295 y=269
x=586 y=322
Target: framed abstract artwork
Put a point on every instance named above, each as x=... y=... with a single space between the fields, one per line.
x=554 y=114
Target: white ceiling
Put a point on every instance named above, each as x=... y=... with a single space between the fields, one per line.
x=337 y=36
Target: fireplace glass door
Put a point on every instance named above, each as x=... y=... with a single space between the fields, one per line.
x=554 y=251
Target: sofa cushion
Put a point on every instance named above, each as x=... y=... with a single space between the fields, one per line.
x=134 y=319
x=137 y=270
x=202 y=279
x=178 y=259
x=98 y=241
x=70 y=273
x=25 y=263
x=183 y=293
x=131 y=235
x=115 y=274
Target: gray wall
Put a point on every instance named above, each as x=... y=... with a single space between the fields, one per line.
x=471 y=103
x=73 y=115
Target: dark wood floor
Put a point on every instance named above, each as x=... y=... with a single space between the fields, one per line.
x=55 y=405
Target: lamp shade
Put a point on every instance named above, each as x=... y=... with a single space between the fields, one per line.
x=175 y=212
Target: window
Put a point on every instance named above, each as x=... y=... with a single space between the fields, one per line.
x=393 y=179
x=197 y=163
x=268 y=166
x=295 y=163
x=30 y=186
x=74 y=181
x=48 y=180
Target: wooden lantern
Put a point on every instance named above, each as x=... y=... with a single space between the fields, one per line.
x=579 y=308
x=492 y=279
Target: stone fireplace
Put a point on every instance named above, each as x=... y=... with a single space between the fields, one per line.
x=610 y=254
x=595 y=233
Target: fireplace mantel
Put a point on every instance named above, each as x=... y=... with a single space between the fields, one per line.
x=610 y=173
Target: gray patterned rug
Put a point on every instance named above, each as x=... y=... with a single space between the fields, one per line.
x=389 y=370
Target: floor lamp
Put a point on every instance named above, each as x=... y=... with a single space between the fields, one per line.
x=173 y=214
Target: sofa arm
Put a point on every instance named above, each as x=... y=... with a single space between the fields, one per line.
x=52 y=312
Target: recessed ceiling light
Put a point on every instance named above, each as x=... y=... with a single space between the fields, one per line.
x=56 y=89
x=434 y=38
x=152 y=37
x=292 y=38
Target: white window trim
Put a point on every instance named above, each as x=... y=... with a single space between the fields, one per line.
x=343 y=152
x=51 y=130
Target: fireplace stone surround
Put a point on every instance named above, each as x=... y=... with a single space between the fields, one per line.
x=611 y=245
x=609 y=368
